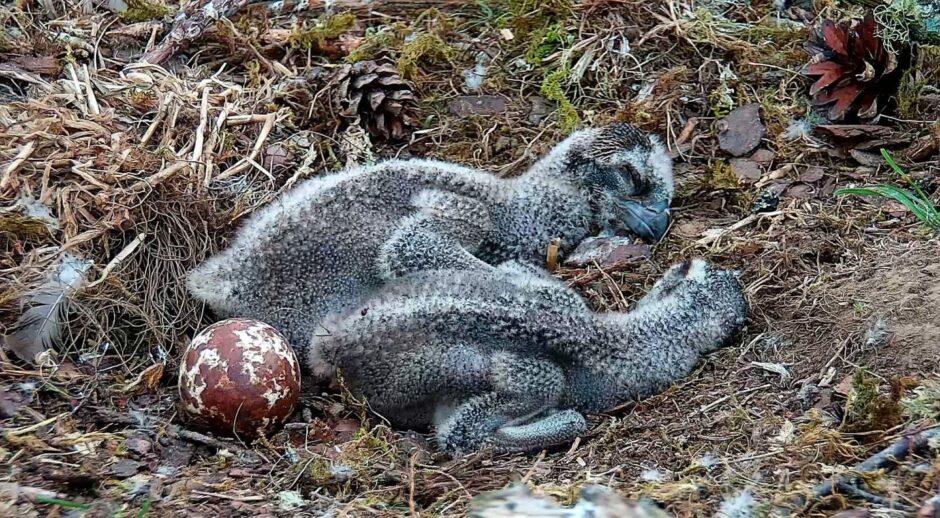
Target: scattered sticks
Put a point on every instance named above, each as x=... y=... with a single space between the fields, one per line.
x=887 y=458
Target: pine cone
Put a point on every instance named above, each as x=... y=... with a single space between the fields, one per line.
x=377 y=94
x=856 y=72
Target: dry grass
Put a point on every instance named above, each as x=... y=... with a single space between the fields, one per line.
x=145 y=170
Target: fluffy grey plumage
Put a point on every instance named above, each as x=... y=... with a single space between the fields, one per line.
x=510 y=358
x=332 y=241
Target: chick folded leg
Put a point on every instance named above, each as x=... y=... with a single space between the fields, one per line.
x=487 y=421
x=520 y=414
x=444 y=233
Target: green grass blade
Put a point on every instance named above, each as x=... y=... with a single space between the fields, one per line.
x=923 y=210
x=68 y=504
x=902 y=173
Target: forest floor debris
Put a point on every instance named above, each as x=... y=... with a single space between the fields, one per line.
x=118 y=176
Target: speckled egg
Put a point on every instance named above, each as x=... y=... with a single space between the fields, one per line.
x=239 y=376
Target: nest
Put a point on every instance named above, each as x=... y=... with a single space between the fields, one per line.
x=118 y=177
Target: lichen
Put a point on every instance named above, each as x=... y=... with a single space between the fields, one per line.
x=552 y=89
x=328 y=28
x=144 y=10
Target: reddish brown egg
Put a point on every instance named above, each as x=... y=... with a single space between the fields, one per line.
x=239 y=376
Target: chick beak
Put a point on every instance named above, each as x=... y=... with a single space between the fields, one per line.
x=649 y=222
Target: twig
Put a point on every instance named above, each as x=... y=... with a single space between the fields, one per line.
x=20 y=158
x=161 y=112
x=210 y=146
x=90 y=94
x=713 y=235
x=118 y=259
x=201 y=129
x=243 y=164
x=887 y=458
x=157 y=178
x=234 y=498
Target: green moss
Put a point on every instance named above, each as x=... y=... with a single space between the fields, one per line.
x=385 y=39
x=424 y=49
x=909 y=94
x=144 y=10
x=776 y=114
x=870 y=405
x=545 y=42
x=319 y=471
x=527 y=17
x=552 y=89
x=328 y=28
x=721 y=176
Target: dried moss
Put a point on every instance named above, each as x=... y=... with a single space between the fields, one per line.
x=328 y=28
x=143 y=10
x=23 y=227
x=425 y=49
x=527 y=17
x=552 y=89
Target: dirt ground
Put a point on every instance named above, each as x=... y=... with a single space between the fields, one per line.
x=838 y=361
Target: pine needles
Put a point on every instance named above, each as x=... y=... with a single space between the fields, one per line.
x=917 y=202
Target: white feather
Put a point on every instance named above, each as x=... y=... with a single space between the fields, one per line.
x=40 y=325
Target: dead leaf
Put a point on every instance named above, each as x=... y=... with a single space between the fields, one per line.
x=746 y=170
x=764 y=157
x=606 y=251
x=800 y=191
x=865 y=158
x=844 y=386
x=146 y=381
x=812 y=175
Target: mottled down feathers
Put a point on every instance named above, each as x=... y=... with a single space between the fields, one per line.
x=509 y=358
x=332 y=241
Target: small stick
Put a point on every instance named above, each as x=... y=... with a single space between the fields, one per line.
x=239 y=120
x=887 y=458
x=246 y=163
x=25 y=152
x=203 y=122
x=213 y=138
x=301 y=171
x=234 y=498
x=44 y=192
x=714 y=235
x=157 y=178
x=118 y=259
x=77 y=87
x=161 y=112
x=90 y=94
x=77 y=169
